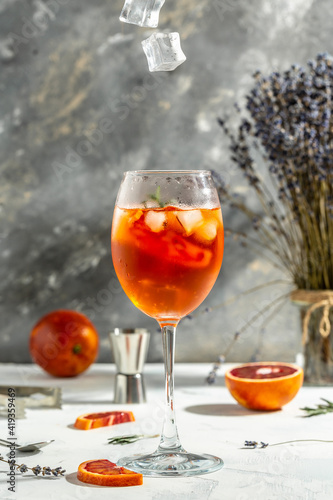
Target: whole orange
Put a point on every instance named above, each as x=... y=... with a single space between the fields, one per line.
x=264 y=386
x=64 y=343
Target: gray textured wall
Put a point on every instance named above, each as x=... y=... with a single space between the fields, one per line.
x=68 y=69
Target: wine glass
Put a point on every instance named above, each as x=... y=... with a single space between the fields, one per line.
x=167 y=248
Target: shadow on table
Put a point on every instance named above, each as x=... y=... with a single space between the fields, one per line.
x=221 y=410
x=72 y=478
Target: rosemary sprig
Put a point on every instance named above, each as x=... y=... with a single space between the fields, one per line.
x=155 y=197
x=320 y=409
x=130 y=438
x=44 y=471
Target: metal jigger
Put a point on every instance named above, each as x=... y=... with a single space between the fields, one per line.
x=129 y=348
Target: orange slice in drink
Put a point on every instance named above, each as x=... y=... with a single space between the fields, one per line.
x=185 y=253
x=103 y=419
x=106 y=473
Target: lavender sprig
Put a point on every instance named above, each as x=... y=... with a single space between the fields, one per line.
x=211 y=378
x=273 y=306
x=251 y=445
x=37 y=470
x=255 y=444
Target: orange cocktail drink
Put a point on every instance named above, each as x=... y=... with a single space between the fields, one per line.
x=167 y=259
x=167 y=249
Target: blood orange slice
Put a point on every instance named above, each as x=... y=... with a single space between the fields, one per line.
x=106 y=473
x=264 y=386
x=103 y=419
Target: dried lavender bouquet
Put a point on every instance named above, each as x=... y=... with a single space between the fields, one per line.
x=287 y=129
x=290 y=124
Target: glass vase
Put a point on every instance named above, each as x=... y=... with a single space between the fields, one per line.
x=317 y=330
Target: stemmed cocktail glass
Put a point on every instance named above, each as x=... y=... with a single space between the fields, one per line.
x=167 y=249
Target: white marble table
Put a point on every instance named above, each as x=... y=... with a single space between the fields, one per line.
x=209 y=420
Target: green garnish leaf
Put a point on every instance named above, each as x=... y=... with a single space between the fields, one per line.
x=320 y=409
x=130 y=438
x=156 y=197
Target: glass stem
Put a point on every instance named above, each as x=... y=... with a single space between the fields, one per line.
x=169 y=438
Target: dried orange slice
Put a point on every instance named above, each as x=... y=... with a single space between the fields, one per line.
x=264 y=386
x=106 y=473
x=103 y=419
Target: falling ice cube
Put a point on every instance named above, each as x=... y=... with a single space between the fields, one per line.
x=141 y=12
x=163 y=51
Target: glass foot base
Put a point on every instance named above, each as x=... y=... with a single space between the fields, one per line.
x=162 y=463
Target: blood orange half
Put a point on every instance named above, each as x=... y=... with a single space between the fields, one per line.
x=106 y=473
x=103 y=419
x=264 y=386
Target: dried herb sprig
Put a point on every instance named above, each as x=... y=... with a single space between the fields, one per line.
x=130 y=438
x=273 y=307
x=251 y=445
x=320 y=409
x=255 y=444
x=37 y=470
